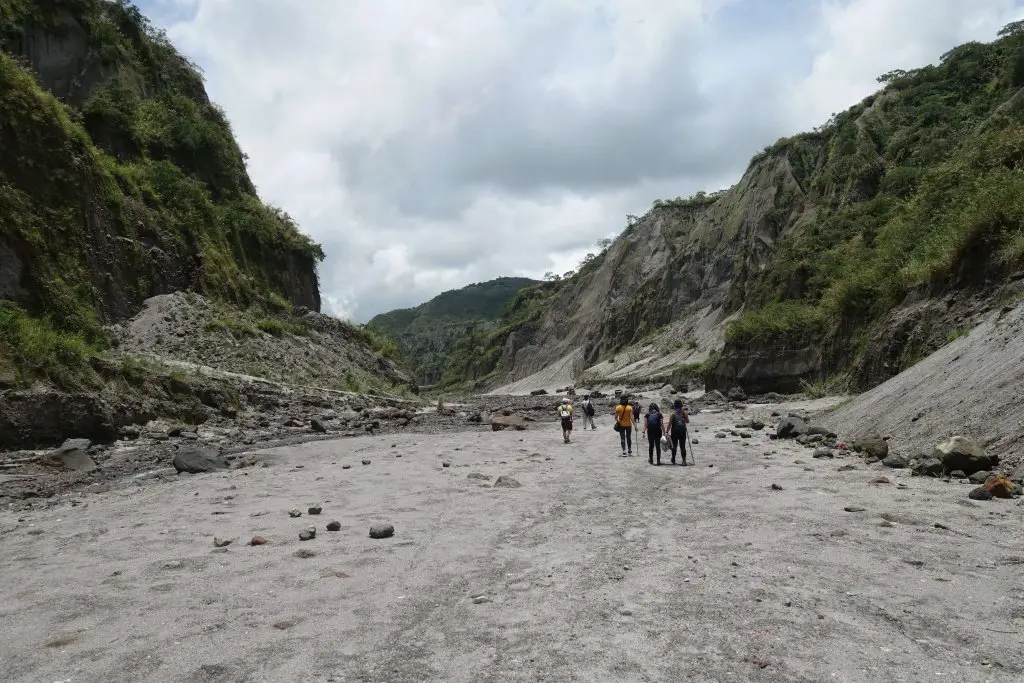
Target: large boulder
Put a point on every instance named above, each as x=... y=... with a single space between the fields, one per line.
x=872 y=446
x=72 y=455
x=895 y=461
x=736 y=393
x=959 y=453
x=196 y=460
x=928 y=467
x=791 y=427
x=500 y=422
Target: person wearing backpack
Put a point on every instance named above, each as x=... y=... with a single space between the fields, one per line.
x=654 y=427
x=588 y=412
x=624 y=424
x=565 y=414
x=677 y=430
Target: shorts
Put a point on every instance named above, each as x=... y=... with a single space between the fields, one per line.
x=567 y=424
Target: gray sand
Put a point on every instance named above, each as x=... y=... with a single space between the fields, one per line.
x=599 y=568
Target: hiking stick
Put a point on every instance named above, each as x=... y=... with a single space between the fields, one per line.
x=689 y=442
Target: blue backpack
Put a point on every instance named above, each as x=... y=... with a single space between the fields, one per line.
x=653 y=420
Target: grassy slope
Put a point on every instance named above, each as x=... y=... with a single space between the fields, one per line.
x=145 y=161
x=425 y=333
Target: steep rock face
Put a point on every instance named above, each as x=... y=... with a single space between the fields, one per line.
x=685 y=260
x=121 y=180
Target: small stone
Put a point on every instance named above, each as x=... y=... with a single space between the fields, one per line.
x=845 y=468
x=776 y=487
x=481 y=599
x=366 y=462
x=446 y=464
x=307 y=534
x=478 y=476
x=854 y=508
x=957 y=474
x=221 y=542
x=346 y=467
x=506 y=482
x=334 y=526
x=980 y=493
x=880 y=480
x=314 y=510
x=295 y=512
x=382 y=531
x=284 y=625
x=305 y=553
x=258 y=540
x=824 y=452
x=980 y=477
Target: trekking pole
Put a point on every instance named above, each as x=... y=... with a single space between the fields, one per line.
x=693 y=456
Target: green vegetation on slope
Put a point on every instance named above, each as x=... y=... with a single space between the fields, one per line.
x=131 y=186
x=919 y=186
x=476 y=355
x=426 y=333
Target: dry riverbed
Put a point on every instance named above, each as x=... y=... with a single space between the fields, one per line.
x=597 y=568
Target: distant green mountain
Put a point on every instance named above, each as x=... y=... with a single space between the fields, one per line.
x=426 y=333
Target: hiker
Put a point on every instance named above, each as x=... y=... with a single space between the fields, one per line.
x=588 y=412
x=677 y=430
x=654 y=428
x=624 y=425
x=637 y=410
x=565 y=413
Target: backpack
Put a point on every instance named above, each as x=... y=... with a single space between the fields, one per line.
x=563 y=411
x=653 y=420
x=588 y=408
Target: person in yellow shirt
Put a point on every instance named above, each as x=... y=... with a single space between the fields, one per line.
x=624 y=425
x=565 y=413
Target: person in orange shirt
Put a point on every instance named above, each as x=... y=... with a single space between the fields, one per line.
x=624 y=425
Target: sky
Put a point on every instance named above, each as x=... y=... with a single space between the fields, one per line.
x=430 y=144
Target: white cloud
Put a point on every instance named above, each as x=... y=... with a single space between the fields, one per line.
x=434 y=143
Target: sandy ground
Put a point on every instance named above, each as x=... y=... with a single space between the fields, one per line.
x=599 y=568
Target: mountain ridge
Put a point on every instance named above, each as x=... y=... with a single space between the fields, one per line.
x=800 y=272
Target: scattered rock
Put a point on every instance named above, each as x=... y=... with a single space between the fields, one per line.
x=895 y=461
x=196 y=460
x=334 y=526
x=928 y=467
x=382 y=531
x=959 y=453
x=446 y=464
x=284 y=625
x=880 y=480
x=307 y=534
x=539 y=392
x=737 y=394
x=295 y=512
x=776 y=487
x=854 y=508
x=824 y=452
x=221 y=542
x=980 y=477
x=846 y=468
x=872 y=446
x=314 y=510
x=305 y=553
x=791 y=427
x=72 y=455
x=258 y=540
x=346 y=467
x=957 y=474
x=506 y=482
x=500 y=422
x=366 y=462
x=980 y=493
x=317 y=426
x=478 y=476
x=720 y=435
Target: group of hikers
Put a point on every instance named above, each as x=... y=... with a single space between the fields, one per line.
x=628 y=418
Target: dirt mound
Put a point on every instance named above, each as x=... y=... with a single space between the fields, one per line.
x=973 y=387
x=305 y=348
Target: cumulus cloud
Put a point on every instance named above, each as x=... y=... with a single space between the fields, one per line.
x=435 y=143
